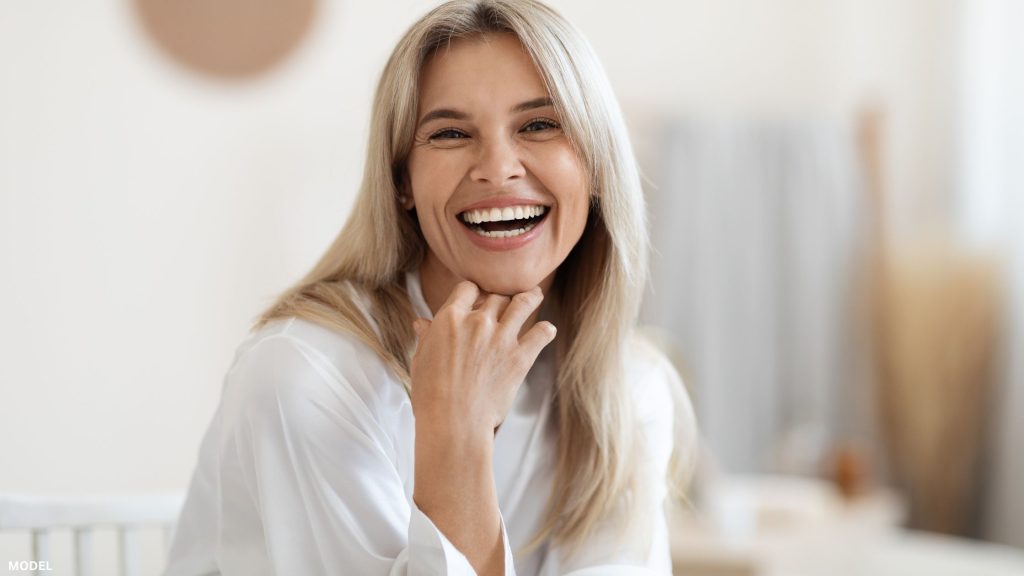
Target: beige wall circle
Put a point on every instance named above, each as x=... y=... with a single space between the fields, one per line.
x=227 y=38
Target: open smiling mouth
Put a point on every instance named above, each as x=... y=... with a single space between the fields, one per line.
x=507 y=222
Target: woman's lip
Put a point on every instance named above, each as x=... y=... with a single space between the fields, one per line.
x=502 y=202
x=502 y=244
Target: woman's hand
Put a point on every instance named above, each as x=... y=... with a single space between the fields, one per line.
x=465 y=373
x=469 y=362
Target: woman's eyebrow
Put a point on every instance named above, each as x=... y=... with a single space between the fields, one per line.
x=452 y=114
x=535 y=103
x=442 y=113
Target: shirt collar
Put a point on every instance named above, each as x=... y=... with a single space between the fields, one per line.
x=415 y=290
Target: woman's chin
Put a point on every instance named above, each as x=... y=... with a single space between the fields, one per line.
x=509 y=285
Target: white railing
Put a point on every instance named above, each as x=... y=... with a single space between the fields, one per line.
x=127 y=514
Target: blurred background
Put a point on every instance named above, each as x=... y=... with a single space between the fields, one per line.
x=837 y=200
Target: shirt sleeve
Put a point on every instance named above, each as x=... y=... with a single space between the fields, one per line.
x=303 y=458
x=607 y=552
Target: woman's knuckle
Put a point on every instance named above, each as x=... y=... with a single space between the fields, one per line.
x=479 y=321
x=520 y=364
x=450 y=320
x=526 y=298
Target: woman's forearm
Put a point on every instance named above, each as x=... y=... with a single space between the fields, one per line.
x=470 y=360
x=454 y=487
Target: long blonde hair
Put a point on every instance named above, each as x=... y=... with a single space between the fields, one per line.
x=597 y=289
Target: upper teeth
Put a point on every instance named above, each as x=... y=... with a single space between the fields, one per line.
x=502 y=214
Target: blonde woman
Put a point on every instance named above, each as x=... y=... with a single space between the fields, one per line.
x=409 y=407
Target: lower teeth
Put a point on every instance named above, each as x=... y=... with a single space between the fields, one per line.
x=504 y=233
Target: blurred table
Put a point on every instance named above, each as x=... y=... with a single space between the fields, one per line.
x=787 y=526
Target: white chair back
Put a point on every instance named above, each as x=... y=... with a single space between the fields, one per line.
x=41 y=515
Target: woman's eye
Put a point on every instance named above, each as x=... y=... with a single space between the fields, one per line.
x=448 y=134
x=539 y=125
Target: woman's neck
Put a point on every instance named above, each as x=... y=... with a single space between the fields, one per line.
x=437 y=282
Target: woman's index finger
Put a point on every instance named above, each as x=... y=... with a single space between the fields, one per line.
x=463 y=296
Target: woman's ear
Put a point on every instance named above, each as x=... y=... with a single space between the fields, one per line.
x=406 y=201
x=405 y=198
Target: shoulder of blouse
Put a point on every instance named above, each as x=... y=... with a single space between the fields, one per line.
x=294 y=362
x=650 y=376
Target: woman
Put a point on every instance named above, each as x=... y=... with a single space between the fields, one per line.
x=399 y=410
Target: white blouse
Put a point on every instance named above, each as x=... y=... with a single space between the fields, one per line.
x=307 y=468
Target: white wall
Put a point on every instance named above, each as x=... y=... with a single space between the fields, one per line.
x=798 y=58
x=147 y=214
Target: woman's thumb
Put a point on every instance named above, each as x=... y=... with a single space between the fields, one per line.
x=418 y=326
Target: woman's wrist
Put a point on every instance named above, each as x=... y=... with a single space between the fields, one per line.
x=450 y=460
x=472 y=437
x=467 y=448
x=454 y=486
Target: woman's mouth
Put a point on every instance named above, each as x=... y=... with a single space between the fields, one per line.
x=507 y=222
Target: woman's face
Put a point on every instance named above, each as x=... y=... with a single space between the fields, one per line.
x=500 y=194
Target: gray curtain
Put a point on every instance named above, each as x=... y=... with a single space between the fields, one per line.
x=756 y=228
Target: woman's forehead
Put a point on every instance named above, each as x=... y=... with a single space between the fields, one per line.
x=494 y=70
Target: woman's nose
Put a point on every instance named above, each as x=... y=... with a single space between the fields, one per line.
x=498 y=162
